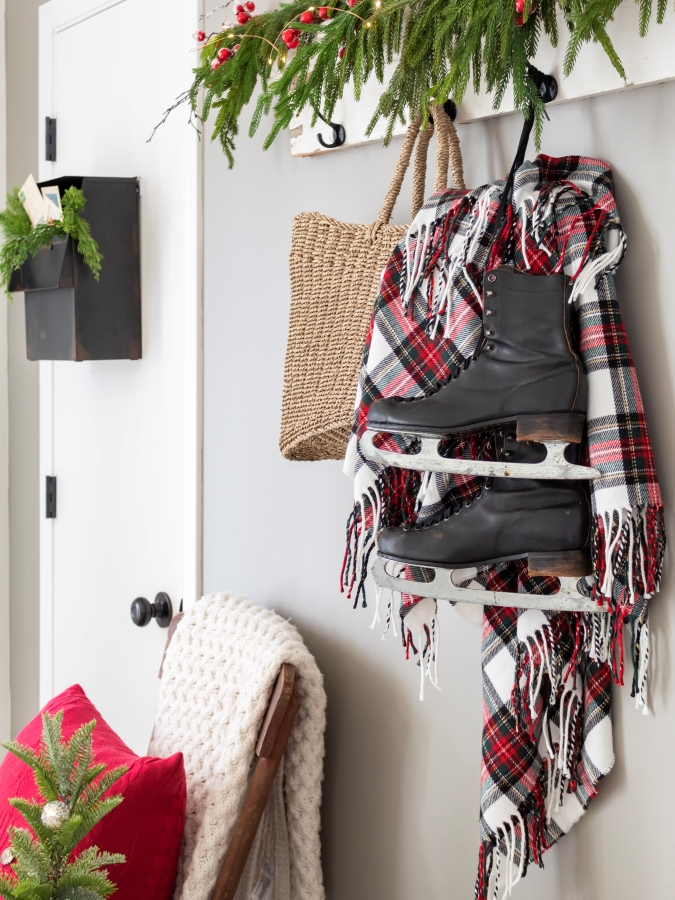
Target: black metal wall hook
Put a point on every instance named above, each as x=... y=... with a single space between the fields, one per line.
x=339 y=136
x=547 y=85
x=450 y=108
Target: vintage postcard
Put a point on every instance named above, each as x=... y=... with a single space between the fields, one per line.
x=33 y=202
x=53 y=209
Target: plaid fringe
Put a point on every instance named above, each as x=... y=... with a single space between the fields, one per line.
x=546 y=676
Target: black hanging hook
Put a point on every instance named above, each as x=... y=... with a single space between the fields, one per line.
x=339 y=136
x=450 y=108
x=546 y=84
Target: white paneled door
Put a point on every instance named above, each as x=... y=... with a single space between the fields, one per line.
x=123 y=437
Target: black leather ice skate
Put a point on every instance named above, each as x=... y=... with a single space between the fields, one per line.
x=546 y=522
x=526 y=374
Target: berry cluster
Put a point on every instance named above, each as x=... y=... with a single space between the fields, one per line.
x=291 y=37
x=222 y=56
x=244 y=12
x=520 y=8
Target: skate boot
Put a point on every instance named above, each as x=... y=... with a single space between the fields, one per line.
x=546 y=522
x=526 y=374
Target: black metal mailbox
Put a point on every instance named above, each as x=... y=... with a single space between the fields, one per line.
x=70 y=315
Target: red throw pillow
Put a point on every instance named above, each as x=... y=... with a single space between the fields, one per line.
x=147 y=827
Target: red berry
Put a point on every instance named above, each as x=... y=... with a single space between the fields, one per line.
x=307 y=17
x=250 y=6
x=239 y=8
x=236 y=47
x=293 y=44
x=351 y=3
x=242 y=18
x=341 y=52
x=288 y=35
x=323 y=12
x=520 y=5
x=201 y=36
x=224 y=53
x=215 y=64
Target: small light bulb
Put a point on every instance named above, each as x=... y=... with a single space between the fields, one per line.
x=283 y=59
x=378 y=4
x=230 y=35
x=270 y=60
x=367 y=24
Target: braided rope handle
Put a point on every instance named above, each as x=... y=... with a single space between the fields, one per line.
x=447 y=150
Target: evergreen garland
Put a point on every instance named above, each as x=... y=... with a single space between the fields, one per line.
x=441 y=46
x=72 y=788
x=23 y=241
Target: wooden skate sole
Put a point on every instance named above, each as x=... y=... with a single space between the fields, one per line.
x=568 y=428
x=562 y=564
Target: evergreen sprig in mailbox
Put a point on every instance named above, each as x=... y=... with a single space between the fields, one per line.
x=70 y=314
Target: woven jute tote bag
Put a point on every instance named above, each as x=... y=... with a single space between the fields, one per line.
x=335 y=274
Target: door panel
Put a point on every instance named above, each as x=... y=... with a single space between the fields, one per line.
x=114 y=432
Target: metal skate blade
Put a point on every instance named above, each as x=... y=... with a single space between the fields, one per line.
x=555 y=466
x=442 y=587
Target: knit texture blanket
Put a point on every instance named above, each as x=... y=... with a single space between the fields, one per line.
x=217 y=679
x=546 y=677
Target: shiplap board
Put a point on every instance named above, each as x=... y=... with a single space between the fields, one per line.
x=648 y=60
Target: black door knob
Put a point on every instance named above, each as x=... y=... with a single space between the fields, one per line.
x=142 y=611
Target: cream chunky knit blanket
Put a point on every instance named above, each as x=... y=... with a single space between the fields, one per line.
x=218 y=674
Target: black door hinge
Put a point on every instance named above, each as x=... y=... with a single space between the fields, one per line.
x=50 y=140
x=50 y=500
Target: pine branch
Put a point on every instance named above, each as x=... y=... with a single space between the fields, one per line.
x=51 y=731
x=442 y=46
x=44 y=776
x=21 y=244
x=45 y=866
x=31 y=813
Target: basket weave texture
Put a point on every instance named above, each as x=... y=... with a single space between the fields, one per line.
x=335 y=270
x=335 y=275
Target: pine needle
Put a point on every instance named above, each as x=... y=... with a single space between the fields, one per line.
x=441 y=47
x=23 y=241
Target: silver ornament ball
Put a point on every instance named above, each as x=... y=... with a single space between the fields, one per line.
x=54 y=814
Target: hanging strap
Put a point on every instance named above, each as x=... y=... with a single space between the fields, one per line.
x=447 y=149
x=507 y=194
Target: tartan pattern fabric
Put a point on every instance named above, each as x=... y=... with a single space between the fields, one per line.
x=547 y=731
x=427 y=323
x=545 y=752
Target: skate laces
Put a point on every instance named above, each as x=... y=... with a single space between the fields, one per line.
x=454 y=508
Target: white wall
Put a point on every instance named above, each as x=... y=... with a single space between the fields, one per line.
x=22 y=158
x=400 y=813
x=5 y=699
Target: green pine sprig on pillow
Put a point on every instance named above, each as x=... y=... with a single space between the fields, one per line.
x=23 y=241
x=71 y=785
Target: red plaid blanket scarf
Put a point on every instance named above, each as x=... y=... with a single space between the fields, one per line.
x=547 y=734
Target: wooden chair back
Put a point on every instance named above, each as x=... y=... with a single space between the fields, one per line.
x=272 y=740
